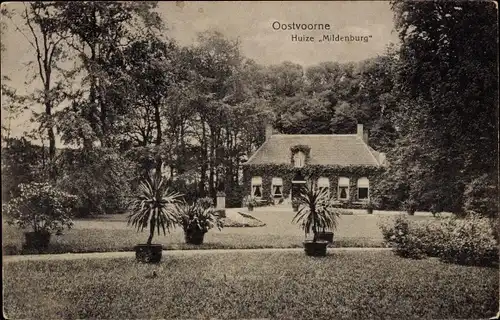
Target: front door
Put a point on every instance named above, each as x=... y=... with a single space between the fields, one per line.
x=296 y=186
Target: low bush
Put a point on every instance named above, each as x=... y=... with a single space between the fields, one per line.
x=468 y=241
x=40 y=207
x=101 y=179
x=403 y=238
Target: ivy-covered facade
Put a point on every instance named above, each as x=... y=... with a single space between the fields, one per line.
x=344 y=164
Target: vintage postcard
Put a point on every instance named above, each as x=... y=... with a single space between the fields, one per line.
x=250 y=160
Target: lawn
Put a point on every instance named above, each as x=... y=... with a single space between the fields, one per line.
x=111 y=233
x=231 y=285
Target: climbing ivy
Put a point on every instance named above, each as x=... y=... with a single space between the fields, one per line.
x=300 y=148
x=287 y=172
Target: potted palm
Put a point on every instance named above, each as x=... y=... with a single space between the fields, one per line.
x=315 y=214
x=42 y=208
x=197 y=219
x=153 y=207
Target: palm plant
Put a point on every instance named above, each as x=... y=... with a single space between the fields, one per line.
x=196 y=219
x=154 y=207
x=317 y=212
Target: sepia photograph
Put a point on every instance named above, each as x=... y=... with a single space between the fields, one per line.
x=250 y=159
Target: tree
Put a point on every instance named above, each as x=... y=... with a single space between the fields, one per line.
x=99 y=33
x=447 y=90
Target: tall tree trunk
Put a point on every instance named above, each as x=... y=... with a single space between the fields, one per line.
x=158 y=139
x=203 y=159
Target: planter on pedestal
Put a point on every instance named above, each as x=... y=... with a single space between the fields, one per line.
x=315 y=249
x=194 y=236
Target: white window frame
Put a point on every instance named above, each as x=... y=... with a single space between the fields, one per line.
x=343 y=182
x=256 y=181
x=276 y=182
x=299 y=159
x=364 y=183
x=324 y=182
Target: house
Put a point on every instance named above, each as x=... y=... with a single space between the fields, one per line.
x=344 y=164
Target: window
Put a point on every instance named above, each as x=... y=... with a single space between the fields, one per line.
x=299 y=159
x=277 y=187
x=363 y=188
x=324 y=183
x=257 y=187
x=343 y=192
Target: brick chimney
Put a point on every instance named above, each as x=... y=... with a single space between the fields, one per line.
x=359 y=131
x=269 y=130
x=362 y=135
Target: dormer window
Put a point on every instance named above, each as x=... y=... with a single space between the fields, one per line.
x=299 y=159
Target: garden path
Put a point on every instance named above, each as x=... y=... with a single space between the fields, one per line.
x=130 y=254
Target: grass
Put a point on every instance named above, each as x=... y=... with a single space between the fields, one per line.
x=111 y=233
x=230 y=285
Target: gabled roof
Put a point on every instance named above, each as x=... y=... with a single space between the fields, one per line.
x=325 y=149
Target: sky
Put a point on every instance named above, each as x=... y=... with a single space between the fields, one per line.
x=251 y=23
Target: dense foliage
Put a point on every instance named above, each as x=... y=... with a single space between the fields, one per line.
x=40 y=207
x=118 y=88
x=446 y=88
x=465 y=241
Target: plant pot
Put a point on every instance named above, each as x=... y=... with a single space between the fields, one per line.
x=37 y=240
x=250 y=208
x=148 y=253
x=369 y=211
x=295 y=208
x=194 y=237
x=315 y=249
x=326 y=236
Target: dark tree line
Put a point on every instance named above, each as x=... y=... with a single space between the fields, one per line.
x=112 y=83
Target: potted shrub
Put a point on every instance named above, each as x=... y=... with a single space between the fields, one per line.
x=315 y=214
x=153 y=207
x=42 y=208
x=250 y=202
x=295 y=204
x=410 y=206
x=369 y=205
x=196 y=220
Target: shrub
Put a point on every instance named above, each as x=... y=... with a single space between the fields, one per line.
x=41 y=207
x=410 y=206
x=100 y=178
x=467 y=241
x=399 y=236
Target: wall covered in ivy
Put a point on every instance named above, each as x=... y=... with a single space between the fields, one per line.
x=287 y=172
